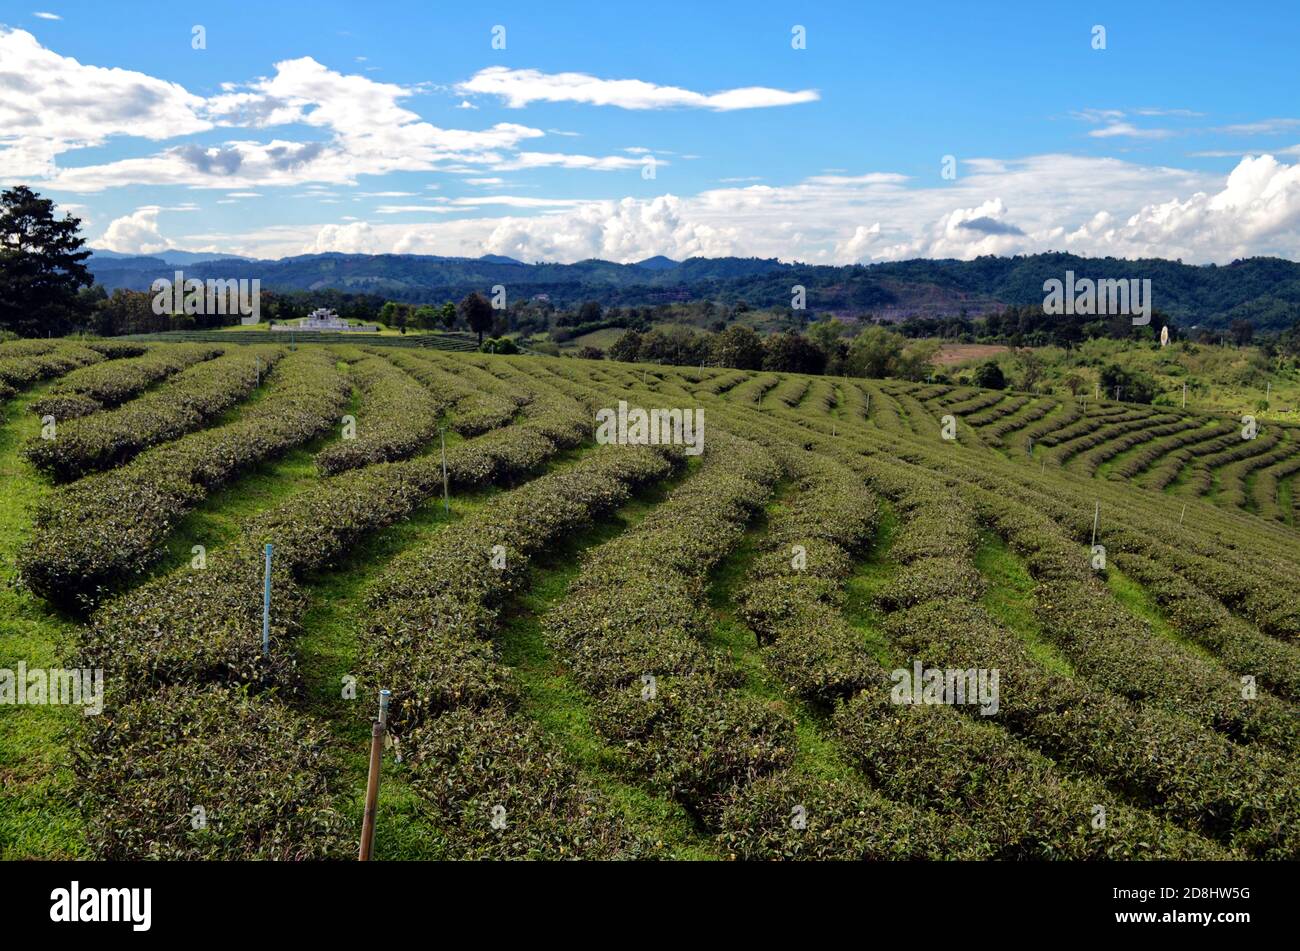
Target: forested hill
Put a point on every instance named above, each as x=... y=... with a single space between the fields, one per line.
x=1265 y=291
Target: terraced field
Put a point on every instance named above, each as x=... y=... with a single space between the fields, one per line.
x=634 y=651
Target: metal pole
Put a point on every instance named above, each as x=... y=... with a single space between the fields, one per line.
x=1181 y=514
x=372 y=781
x=266 y=607
x=446 y=495
x=1096 y=515
x=1184 y=394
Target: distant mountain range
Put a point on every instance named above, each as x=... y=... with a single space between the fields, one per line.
x=168 y=257
x=1265 y=291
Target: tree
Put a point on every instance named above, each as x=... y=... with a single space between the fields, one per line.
x=737 y=347
x=589 y=312
x=477 y=314
x=42 y=266
x=1130 y=387
x=874 y=353
x=792 y=353
x=627 y=348
x=590 y=353
x=1243 y=331
x=447 y=314
x=990 y=376
x=1031 y=368
x=1074 y=383
x=914 y=363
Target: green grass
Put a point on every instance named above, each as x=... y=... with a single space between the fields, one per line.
x=816 y=754
x=217 y=519
x=872 y=574
x=1009 y=598
x=38 y=815
x=565 y=712
x=328 y=652
x=1137 y=602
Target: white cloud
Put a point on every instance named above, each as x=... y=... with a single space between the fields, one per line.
x=519 y=87
x=46 y=16
x=1129 y=130
x=136 y=233
x=355 y=238
x=50 y=104
x=607 y=163
x=1262 y=127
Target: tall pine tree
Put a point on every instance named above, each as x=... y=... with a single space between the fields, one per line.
x=41 y=265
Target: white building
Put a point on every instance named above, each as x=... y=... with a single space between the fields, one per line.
x=325 y=320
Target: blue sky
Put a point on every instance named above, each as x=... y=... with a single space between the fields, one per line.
x=398 y=127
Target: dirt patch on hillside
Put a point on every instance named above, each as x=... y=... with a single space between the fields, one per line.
x=954 y=353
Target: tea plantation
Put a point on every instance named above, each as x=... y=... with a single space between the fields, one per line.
x=628 y=651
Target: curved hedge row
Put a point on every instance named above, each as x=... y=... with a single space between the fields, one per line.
x=197 y=634
x=1157 y=759
x=795 y=611
x=638 y=609
x=30 y=366
x=428 y=640
x=1266 y=495
x=998 y=431
x=1232 y=477
x=256 y=769
x=1090 y=459
x=1118 y=650
x=1158 y=448
x=476 y=410
x=1238 y=645
x=396 y=418
x=1008 y=406
x=789 y=391
x=183 y=404
x=103 y=532
x=115 y=382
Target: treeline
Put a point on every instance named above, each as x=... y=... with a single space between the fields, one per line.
x=829 y=347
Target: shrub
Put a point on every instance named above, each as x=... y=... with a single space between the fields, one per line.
x=105 y=531
x=257 y=769
x=181 y=405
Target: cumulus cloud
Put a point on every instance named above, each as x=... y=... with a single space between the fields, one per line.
x=51 y=104
x=1256 y=212
x=136 y=233
x=520 y=87
x=358 y=237
x=627 y=230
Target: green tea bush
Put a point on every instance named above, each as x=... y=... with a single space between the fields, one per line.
x=191 y=399
x=257 y=769
x=114 y=382
x=103 y=532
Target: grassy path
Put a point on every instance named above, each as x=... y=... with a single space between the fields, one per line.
x=38 y=817
x=1009 y=598
x=816 y=753
x=565 y=711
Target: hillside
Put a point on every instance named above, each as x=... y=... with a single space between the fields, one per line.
x=1264 y=290
x=619 y=650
